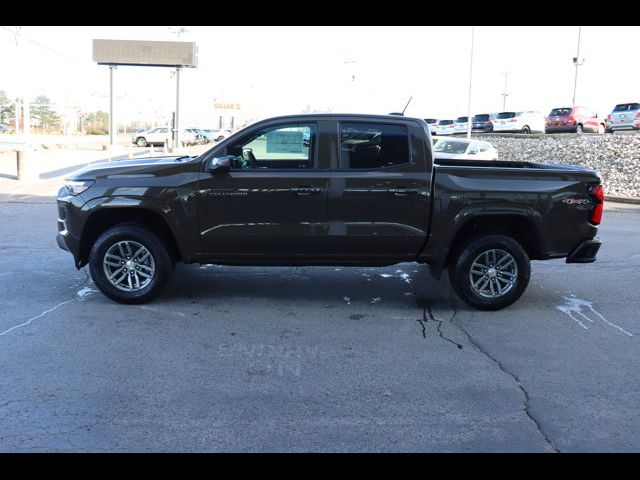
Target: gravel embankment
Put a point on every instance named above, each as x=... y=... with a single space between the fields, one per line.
x=616 y=158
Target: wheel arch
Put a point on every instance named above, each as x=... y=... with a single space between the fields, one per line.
x=105 y=218
x=518 y=226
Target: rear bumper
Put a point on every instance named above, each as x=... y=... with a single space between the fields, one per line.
x=585 y=252
x=624 y=126
x=560 y=129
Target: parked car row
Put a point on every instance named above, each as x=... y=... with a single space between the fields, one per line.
x=513 y=122
x=577 y=119
x=188 y=136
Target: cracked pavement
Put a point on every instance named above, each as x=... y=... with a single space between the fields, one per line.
x=274 y=359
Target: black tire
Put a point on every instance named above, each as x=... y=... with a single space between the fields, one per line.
x=526 y=129
x=141 y=142
x=162 y=262
x=579 y=129
x=460 y=271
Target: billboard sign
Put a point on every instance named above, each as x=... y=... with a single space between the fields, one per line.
x=145 y=53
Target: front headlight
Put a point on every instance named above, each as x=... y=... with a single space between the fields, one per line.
x=76 y=187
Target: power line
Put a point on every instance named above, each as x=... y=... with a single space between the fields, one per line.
x=18 y=33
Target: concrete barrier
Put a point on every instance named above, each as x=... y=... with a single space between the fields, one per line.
x=25 y=166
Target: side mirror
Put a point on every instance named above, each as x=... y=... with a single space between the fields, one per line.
x=247 y=153
x=218 y=165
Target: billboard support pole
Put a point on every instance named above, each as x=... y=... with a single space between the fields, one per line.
x=111 y=117
x=177 y=124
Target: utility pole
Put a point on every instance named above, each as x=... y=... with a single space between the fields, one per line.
x=576 y=63
x=505 y=94
x=26 y=117
x=470 y=77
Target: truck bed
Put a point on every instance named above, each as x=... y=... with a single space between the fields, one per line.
x=503 y=164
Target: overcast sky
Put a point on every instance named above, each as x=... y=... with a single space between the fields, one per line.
x=280 y=70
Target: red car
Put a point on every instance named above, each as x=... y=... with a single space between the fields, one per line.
x=576 y=119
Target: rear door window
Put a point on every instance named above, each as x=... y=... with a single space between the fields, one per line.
x=373 y=146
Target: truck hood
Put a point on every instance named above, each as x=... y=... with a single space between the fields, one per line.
x=151 y=166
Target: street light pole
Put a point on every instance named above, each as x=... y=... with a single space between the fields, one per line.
x=470 y=77
x=577 y=63
x=505 y=94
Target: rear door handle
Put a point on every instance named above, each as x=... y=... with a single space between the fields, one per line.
x=304 y=190
x=402 y=191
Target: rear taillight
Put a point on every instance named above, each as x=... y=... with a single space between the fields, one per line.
x=638 y=114
x=572 y=119
x=609 y=117
x=597 y=193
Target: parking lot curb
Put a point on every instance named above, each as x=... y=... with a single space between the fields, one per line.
x=635 y=201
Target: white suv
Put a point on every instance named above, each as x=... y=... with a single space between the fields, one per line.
x=519 y=122
x=154 y=136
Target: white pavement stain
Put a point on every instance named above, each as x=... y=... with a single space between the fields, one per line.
x=401 y=274
x=163 y=311
x=375 y=300
x=86 y=291
x=577 y=308
x=347 y=299
x=81 y=295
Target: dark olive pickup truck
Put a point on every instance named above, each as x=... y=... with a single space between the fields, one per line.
x=328 y=190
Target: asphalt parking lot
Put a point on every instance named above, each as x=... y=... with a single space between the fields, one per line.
x=315 y=359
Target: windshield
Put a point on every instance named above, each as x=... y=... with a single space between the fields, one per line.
x=462 y=119
x=449 y=146
x=502 y=115
x=430 y=120
x=481 y=118
x=445 y=122
x=560 y=111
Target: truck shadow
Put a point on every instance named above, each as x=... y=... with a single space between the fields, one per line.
x=395 y=286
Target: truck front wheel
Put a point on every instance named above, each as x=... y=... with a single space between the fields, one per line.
x=490 y=272
x=130 y=264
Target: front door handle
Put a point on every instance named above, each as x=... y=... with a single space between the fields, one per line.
x=402 y=191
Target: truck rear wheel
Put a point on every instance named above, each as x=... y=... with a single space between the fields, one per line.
x=130 y=264
x=490 y=272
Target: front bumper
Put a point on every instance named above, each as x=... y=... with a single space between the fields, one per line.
x=585 y=251
x=64 y=238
